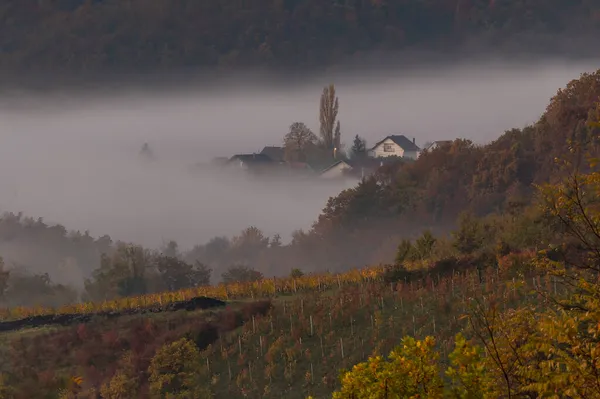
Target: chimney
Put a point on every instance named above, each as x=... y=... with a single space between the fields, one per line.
x=413 y=140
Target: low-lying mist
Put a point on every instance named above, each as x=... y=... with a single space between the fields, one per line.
x=74 y=159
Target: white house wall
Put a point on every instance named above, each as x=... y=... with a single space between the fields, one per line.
x=398 y=151
x=379 y=150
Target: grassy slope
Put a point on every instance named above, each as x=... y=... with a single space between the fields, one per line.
x=279 y=356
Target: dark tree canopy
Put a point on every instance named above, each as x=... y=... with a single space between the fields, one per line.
x=78 y=35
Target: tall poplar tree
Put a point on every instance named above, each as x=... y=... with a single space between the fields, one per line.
x=328 y=112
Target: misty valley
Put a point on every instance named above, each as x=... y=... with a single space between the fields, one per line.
x=429 y=231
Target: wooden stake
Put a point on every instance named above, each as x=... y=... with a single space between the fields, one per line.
x=322 y=350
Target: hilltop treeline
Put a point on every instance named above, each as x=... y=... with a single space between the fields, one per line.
x=94 y=35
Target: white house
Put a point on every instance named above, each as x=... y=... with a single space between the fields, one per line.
x=396 y=145
x=337 y=170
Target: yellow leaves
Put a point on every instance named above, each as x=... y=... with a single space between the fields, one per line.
x=77 y=380
x=410 y=371
x=176 y=370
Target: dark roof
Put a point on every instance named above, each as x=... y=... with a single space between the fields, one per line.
x=439 y=143
x=402 y=141
x=251 y=158
x=335 y=164
x=275 y=153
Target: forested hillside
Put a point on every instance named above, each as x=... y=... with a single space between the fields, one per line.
x=103 y=35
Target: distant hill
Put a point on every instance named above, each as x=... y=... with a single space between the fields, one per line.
x=101 y=35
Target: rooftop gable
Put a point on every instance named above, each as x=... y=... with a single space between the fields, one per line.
x=334 y=165
x=275 y=153
x=439 y=143
x=402 y=141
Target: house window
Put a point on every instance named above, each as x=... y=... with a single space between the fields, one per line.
x=388 y=148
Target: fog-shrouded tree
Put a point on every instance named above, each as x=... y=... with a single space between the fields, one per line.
x=328 y=112
x=249 y=244
x=26 y=289
x=4 y=276
x=337 y=136
x=171 y=249
x=239 y=274
x=122 y=273
x=176 y=274
x=275 y=241
x=359 y=148
x=297 y=142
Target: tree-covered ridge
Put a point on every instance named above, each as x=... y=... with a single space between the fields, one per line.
x=84 y=35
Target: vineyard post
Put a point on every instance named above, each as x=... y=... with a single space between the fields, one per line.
x=240 y=344
x=311 y=325
x=272 y=329
x=414 y=327
x=372 y=322
x=229 y=369
x=284 y=302
x=253 y=325
x=302 y=306
x=330 y=321
x=382 y=303
x=339 y=282
x=321 y=342
x=250 y=371
x=362 y=346
x=291 y=324
x=351 y=326
x=208 y=365
x=434 y=325
x=295 y=289
x=260 y=341
x=312 y=374
x=342 y=346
